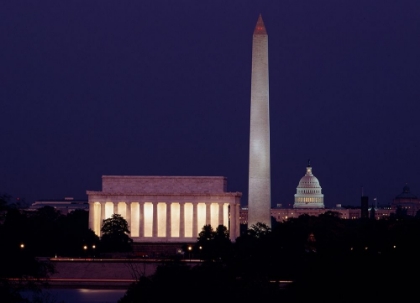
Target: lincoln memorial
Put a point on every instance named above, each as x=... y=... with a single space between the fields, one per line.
x=165 y=208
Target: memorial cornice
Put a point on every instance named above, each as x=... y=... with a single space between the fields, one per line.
x=227 y=194
x=161 y=177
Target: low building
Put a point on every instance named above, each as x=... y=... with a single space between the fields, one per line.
x=282 y=214
x=64 y=206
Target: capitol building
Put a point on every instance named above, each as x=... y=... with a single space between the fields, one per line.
x=309 y=192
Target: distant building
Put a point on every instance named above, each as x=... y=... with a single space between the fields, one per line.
x=352 y=213
x=407 y=201
x=282 y=214
x=65 y=206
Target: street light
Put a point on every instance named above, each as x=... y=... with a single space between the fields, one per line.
x=93 y=248
x=189 y=249
x=201 y=247
x=22 y=245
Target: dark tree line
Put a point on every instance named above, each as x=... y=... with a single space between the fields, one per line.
x=27 y=237
x=30 y=239
x=327 y=258
x=48 y=233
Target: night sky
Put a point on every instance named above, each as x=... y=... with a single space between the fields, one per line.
x=92 y=88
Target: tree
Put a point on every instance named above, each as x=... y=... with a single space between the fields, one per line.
x=206 y=234
x=115 y=234
x=75 y=235
x=205 y=242
x=214 y=245
x=221 y=232
x=223 y=248
x=43 y=227
x=400 y=213
x=259 y=230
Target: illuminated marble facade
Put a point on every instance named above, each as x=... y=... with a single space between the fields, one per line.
x=309 y=192
x=165 y=208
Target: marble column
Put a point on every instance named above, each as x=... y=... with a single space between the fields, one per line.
x=221 y=213
x=155 y=221
x=141 y=216
x=92 y=215
x=181 y=220
x=208 y=214
x=102 y=216
x=237 y=223
x=168 y=220
x=195 y=228
x=115 y=207
x=128 y=214
x=232 y=223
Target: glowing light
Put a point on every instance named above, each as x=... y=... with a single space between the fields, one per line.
x=175 y=222
x=188 y=215
x=122 y=209
x=226 y=214
x=161 y=219
x=22 y=245
x=201 y=216
x=148 y=219
x=214 y=214
x=97 y=218
x=109 y=210
x=135 y=219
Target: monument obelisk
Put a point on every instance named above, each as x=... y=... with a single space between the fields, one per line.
x=259 y=184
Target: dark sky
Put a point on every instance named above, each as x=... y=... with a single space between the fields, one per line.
x=92 y=88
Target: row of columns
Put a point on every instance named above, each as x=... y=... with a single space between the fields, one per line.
x=233 y=228
x=309 y=199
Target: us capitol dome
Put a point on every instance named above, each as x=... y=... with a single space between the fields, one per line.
x=309 y=192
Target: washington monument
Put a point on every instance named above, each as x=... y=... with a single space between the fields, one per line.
x=259 y=185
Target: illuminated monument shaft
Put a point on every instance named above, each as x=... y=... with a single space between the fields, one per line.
x=259 y=186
